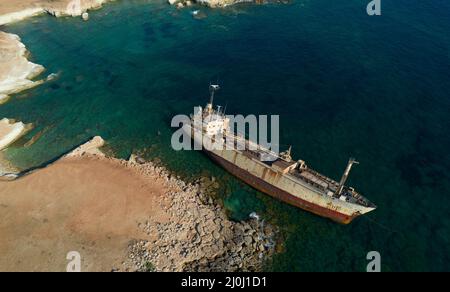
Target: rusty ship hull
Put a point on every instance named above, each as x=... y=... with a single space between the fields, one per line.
x=284 y=183
x=267 y=188
x=273 y=173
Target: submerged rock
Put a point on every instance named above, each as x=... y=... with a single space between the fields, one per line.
x=85 y=16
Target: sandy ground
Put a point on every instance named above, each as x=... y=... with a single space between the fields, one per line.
x=9 y=6
x=86 y=204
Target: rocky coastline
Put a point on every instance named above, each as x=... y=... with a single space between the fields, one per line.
x=18 y=10
x=198 y=237
x=10 y=131
x=16 y=72
x=211 y=3
x=195 y=234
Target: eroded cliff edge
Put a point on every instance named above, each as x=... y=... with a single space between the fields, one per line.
x=16 y=72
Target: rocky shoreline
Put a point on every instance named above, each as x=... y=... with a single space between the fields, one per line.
x=16 y=72
x=199 y=237
x=29 y=8
x=209 y=3
x=196 y=236
x=10 y=131
x=219 y=3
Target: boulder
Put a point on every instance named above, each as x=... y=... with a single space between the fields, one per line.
x=85 y=16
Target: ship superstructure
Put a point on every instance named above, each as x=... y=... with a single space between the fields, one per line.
x=275 y=174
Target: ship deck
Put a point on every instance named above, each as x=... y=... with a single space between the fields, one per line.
x=323 y=184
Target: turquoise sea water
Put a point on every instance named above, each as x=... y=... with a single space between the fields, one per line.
x=342 y=82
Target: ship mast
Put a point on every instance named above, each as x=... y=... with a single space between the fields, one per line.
x=212 y=88
x=344 y=178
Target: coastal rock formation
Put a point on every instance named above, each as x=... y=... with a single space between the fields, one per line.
x=211 y=3
x=16 y=72
x=71 y=7
x=16 y=10
x=198 y=236
x=123 y=216
x=92 y=147
x=10 y=131
x=221 y=3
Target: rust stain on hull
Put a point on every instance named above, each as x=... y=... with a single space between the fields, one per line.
x=275 y=192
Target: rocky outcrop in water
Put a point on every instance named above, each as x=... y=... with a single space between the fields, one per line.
x=213 y=3
x=72 y=7
x=10 y=131
x=16 y=72
x=19 y=10
x=91 y=147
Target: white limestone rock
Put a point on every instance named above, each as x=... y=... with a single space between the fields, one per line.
x=10 y=132
x=92 y=147
x=16 y=72
x=3 y=98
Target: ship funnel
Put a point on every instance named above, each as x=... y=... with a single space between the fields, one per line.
x=344 y=178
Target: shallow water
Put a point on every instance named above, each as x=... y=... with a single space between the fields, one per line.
x=344 y=84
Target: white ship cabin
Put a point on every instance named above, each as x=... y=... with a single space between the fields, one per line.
x=212 y=122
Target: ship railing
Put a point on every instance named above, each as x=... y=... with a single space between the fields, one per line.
x=310 y=182
x=248 y=145
x=321 y=176
x=360 y=199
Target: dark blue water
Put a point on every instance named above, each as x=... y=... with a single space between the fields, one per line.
x=344 y=84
